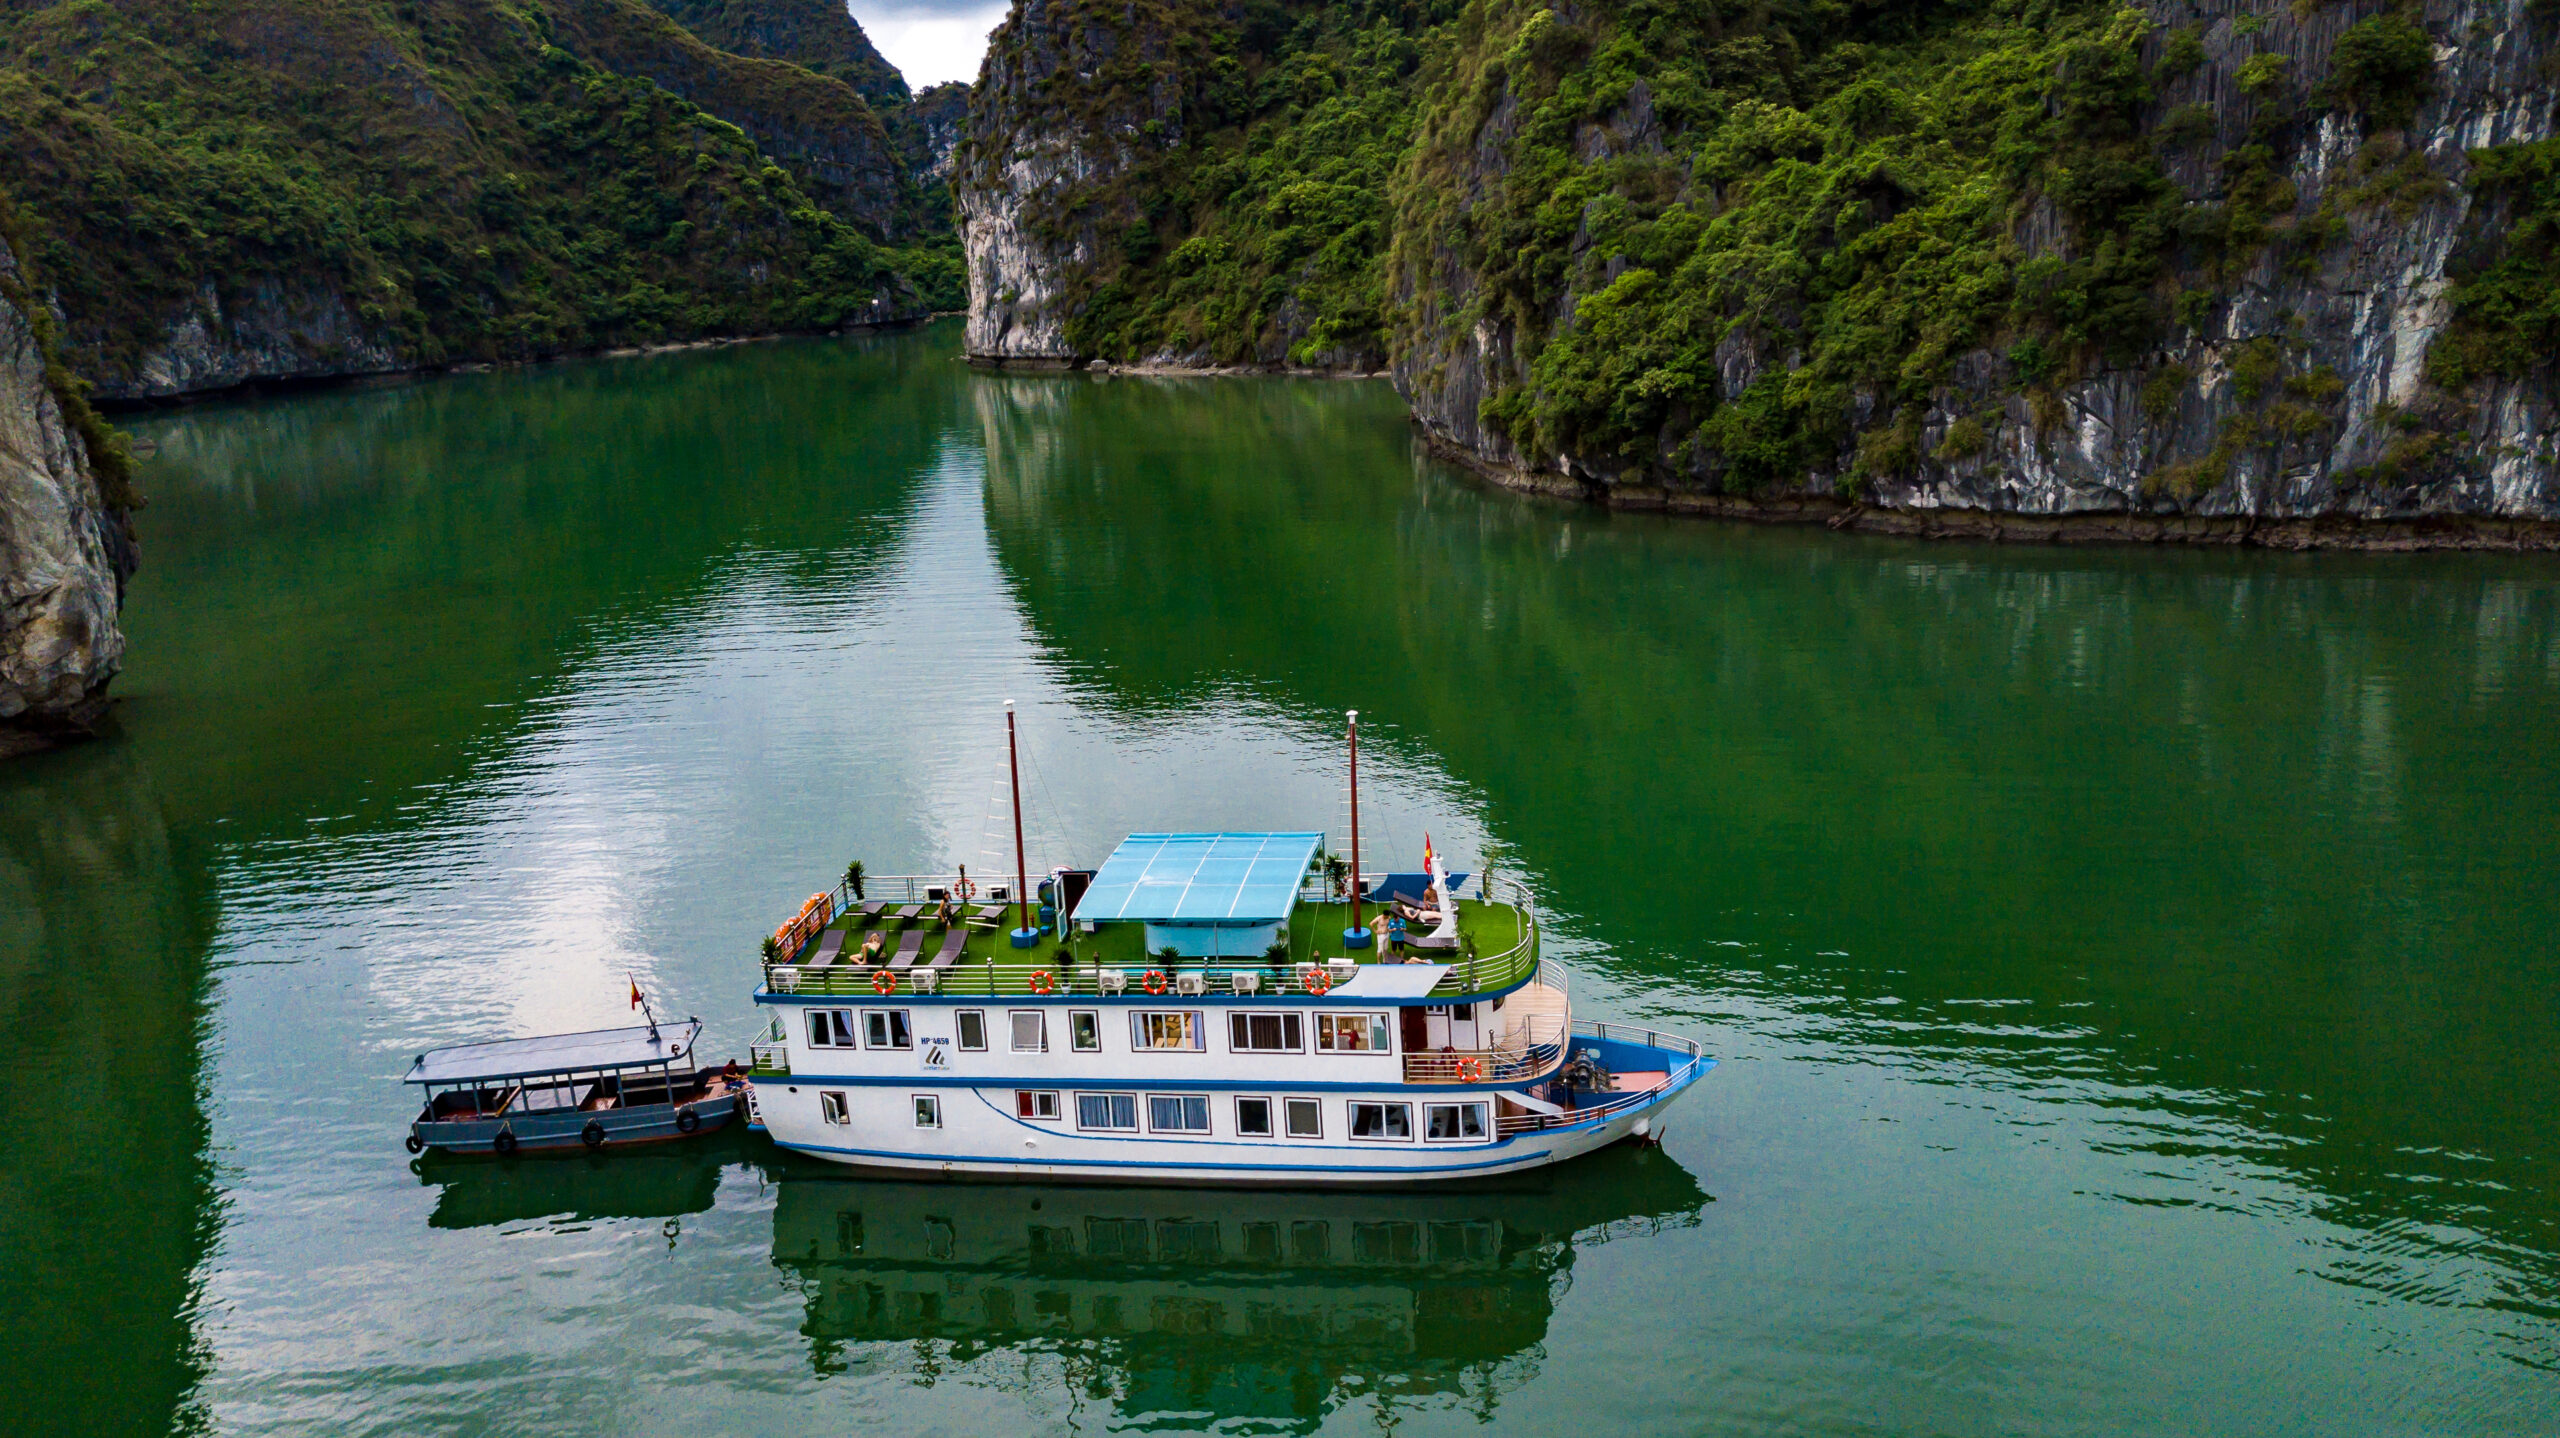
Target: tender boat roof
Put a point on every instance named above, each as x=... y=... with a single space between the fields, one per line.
x=1225 y=878
x=598 y=1050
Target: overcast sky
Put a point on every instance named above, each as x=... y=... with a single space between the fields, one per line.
x=930 y=41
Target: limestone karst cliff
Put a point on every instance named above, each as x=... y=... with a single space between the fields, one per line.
x=282 y=188
x=2280 y=272
x=66 y=547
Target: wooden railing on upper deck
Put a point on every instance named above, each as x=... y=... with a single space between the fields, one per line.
x=1529 y=1053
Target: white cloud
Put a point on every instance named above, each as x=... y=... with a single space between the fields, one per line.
x=930 y=41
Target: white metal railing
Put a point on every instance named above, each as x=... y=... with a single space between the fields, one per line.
x=1528 y=1053
x=966 y=978
x=1630 y=1034
x=769 y=1058
x=1693 y=1053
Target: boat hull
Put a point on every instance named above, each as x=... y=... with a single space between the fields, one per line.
x=982 y=1141
x=566 y=1131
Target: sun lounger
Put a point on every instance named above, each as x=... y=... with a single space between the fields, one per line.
x=954 y=939
x=830 y=944
x=871 y=909
x=987 y=914
x=910 y=944
x=908 y=914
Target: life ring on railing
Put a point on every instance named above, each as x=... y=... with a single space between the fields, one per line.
x=885 y=982
x=1316 y=979
x=1155 y=982
x=1043 y=982
x=1470 y=1070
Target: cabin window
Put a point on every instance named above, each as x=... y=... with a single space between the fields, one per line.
x=928 y=1110
x=1030 y=1031
x=1306 y=1117
x=1352 y=1033
x=1106 y=1111
x=1180 y=1030
x=831 y=1107
x=1036 y=1103
x=973 y=1029
x=1085 y=1026
x=1443 y=1122
x=1253 y=1120
x=831 y=1028
x=888 y=1029
x=1178 y=1113
x=1266 y=1033
x=1389 y=1121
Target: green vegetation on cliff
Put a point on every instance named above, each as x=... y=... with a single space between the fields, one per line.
x=1249 y=216
x=444 y=179
x=816 y=35
x=1737 y=246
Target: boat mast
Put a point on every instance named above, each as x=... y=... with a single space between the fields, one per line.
x=1361 y=933
x=1024 y=936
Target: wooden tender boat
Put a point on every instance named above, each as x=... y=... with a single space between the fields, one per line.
x=602 y=1089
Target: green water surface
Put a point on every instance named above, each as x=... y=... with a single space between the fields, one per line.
x=2133 y=970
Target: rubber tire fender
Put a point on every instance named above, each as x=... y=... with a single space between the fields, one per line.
x=414 y=1144
x=505 y=1143
x=687 y=1121
x=593 y=1134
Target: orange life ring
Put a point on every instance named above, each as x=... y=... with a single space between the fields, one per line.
x=1470 y=1070
x=1156 y=982
x=1317 y=979
x=1043 y=982
x=884 y=982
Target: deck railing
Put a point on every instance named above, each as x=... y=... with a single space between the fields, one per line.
x=1695 y=1053
x=1468 y=974
x=1528 y=1053
x=970 y=979
x=769 y=1058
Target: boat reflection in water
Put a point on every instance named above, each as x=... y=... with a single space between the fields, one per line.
x=1429 y=1291
x=664 y=1181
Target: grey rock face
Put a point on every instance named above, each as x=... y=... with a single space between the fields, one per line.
x=1056 y=123
x=277 y=328
x=64 y=555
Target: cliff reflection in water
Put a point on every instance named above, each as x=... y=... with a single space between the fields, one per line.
x=1265 y=1304
x=2242 y=857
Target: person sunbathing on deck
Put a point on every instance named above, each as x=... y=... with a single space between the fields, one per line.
x=873 y=947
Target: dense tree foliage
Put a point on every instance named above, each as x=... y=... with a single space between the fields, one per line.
x=469 y=182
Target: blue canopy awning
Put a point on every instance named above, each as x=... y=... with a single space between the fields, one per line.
x=1201 y=878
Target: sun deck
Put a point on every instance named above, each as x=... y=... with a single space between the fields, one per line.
x=975 y=956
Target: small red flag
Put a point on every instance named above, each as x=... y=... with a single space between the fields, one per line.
x=635 y=993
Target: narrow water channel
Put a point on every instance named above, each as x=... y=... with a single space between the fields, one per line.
x=2134 y=970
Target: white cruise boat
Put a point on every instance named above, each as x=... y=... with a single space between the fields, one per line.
x=1206 y=1008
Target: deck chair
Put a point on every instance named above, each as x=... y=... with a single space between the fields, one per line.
x=987 y=914
x=830 y=945
x=871 y=908
x=910 y=944
x=954 y=939
x=909 y=914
